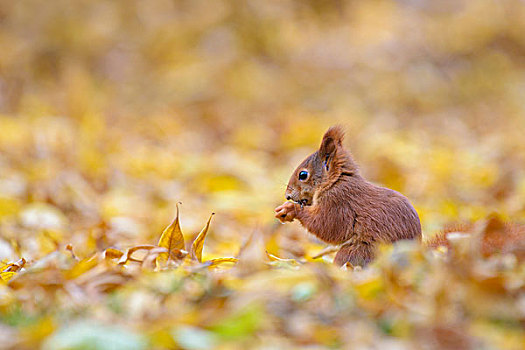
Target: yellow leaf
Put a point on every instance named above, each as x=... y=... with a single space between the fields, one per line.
x=171 y=239
x=6 y=276
x=81 y=267
x=196 y=247
x=370 y=289
x=112 y=253
x=13 y=267
x=9 y=270
x=274 y=258
x=35 y=333
x=218 y=261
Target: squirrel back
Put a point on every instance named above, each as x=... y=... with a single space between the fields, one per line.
x=335 y=203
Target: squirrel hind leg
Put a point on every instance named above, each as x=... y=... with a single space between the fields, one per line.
x=357 y=255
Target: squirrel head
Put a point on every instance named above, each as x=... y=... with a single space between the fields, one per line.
x=320 y=170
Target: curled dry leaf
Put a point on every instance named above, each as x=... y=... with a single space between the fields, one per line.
x=275 y=260
x=152 y=255
x=69 y=248
x=127 y=256
x=326 y=251
x=9 y=270
x=219 y=261
x=112 y=253
x=173 y=240
x=196 y=247
x=14 y=267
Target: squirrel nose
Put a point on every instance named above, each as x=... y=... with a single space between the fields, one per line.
x=288 y=197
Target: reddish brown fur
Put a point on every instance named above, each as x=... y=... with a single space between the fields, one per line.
x=340 y=206
x=441 y=238
x=496 y=236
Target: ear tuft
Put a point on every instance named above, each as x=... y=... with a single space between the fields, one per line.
x=336 y=133
x=332 y=139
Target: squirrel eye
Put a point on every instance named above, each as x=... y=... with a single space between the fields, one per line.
x=303 y=175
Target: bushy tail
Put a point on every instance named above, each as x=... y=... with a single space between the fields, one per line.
x=494 y=235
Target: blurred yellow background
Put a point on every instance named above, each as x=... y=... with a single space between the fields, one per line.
x=113 y=111
x=116 y=110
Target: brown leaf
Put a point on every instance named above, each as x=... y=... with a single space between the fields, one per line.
x=151 y=257
x=69 y=248
x=112 y=253
x=173 y=240
x=196 y=247
x=127 y=256
x=13 y=267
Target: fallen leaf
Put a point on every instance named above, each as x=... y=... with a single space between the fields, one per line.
x=112 y=253
x=6 y=276
x=173 y=240
x=69 y=248
x=127 y=256
x=218 y=261
x=152 y=255
x=82 y=266
x=326 y=251
x=276 y=258
x=196 y=247
x=13 y=267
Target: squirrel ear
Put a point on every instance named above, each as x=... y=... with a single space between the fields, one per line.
x=332 y=139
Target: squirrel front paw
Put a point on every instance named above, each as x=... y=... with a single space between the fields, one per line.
x=286 y=211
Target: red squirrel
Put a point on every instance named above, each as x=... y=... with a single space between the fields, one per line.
x=334 y=202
